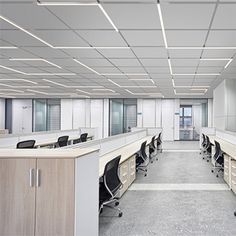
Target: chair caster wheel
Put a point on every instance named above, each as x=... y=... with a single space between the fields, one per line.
x=145 y=170
x=157 y=159
x=235 y=213
x=145 y=175
x=207 y=160
x=117 y=204
x=120 y=214
x=217 y=176
x=203 y=158
x=212 y=171
x=151 y=161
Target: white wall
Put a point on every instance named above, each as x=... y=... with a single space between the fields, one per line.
x=66 y=114
x=219 y=107
x=210 y=113
x=21 y=116
x=89 y=113
x=2 y=113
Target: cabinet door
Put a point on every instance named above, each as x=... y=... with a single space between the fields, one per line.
x=17 y=197
x=55 y=197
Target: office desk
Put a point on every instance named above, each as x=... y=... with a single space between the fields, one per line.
x=229 y=161
x=127 y=167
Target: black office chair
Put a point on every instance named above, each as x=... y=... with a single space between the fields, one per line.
x=152 y=148
x=159 y=143
x=203 y=145
x=207 y=150
x=62 y=141
x=83 y=137
x=25 y=144
x=219 y=159
x=110 y=185
x=142 y=159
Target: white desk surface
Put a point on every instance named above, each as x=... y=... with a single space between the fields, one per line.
x=126 y=152
x=45 y=153
x=227 y=147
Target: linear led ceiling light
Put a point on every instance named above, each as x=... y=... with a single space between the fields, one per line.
x=198 y=74
x=8 y=47
x=199 y=48
x=162 y=23
x=24 y=30
x=35 y=59
x=82 y=64
x=170 y=67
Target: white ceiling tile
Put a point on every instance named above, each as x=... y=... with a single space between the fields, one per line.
x=185 y=53
x=222 y=38
x=158 y=70
x=186 y=37
x=82 y=53
x=82 y=17
x=44 y=52
x=127 y=16
x=40 y=17
x=185 y=62
x=102 y=38
x=133 y=70
x=143 y=37
x=186 y=16
x=150 y=52
x=183 y=70
x=227 y=53
x=212 y=63
x=154 y=62
x=117 y=53
x=125 y=62
x=209 y=69
x=225 y=17
x=60 y=38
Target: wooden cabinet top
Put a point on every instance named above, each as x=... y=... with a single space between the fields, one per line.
x=45 y=153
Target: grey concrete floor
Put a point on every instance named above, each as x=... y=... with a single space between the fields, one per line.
x=169 y=212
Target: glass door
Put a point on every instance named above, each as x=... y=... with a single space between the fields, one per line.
x=186 y=127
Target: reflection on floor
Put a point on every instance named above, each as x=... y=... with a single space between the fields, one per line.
x=180 y=196
x=178 y=145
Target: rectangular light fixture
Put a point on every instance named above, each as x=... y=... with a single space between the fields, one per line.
x=228 y=63
x=162 y=24
x=104 y=89
x=143 y=94
x=8 y=47
x=170 y=67
x=80 y=4
x=92 y=47
x=35 y=91
x=59 y=74
x=135 y=86
x=35 y=59
x=200 y=48
x=82 y=64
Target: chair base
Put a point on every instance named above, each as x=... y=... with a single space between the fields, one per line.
x=106 y=204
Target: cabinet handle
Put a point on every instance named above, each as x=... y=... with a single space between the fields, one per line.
x=31 y=177
x=38 y=178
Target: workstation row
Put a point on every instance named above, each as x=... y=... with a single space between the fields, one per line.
x=219 y=148
x=49 y=182
x=47 y=139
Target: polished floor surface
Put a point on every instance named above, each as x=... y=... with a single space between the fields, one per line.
x=179 y=196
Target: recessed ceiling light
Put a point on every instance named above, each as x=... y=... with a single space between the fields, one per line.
x=162 y=24
x=228 y=63
x=8 y=47
x=200 y=48
x=35 y=91
x=148 y=94
x=135 y=86
x=13 y=90
x=82 y=64
x=103 y=89
x=51 y=74
x=170 y=67
x=35 y=59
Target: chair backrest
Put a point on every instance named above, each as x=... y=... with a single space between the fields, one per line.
x=153 y=140
x=143 y=149
x=25 y=144
x=63 y=141
x=217 y=149
x=111 y=177
x=203 y=139
x=159 y=141
x=83 y=137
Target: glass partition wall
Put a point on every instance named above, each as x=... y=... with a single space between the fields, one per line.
x=46 y=114
x=123 y=115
